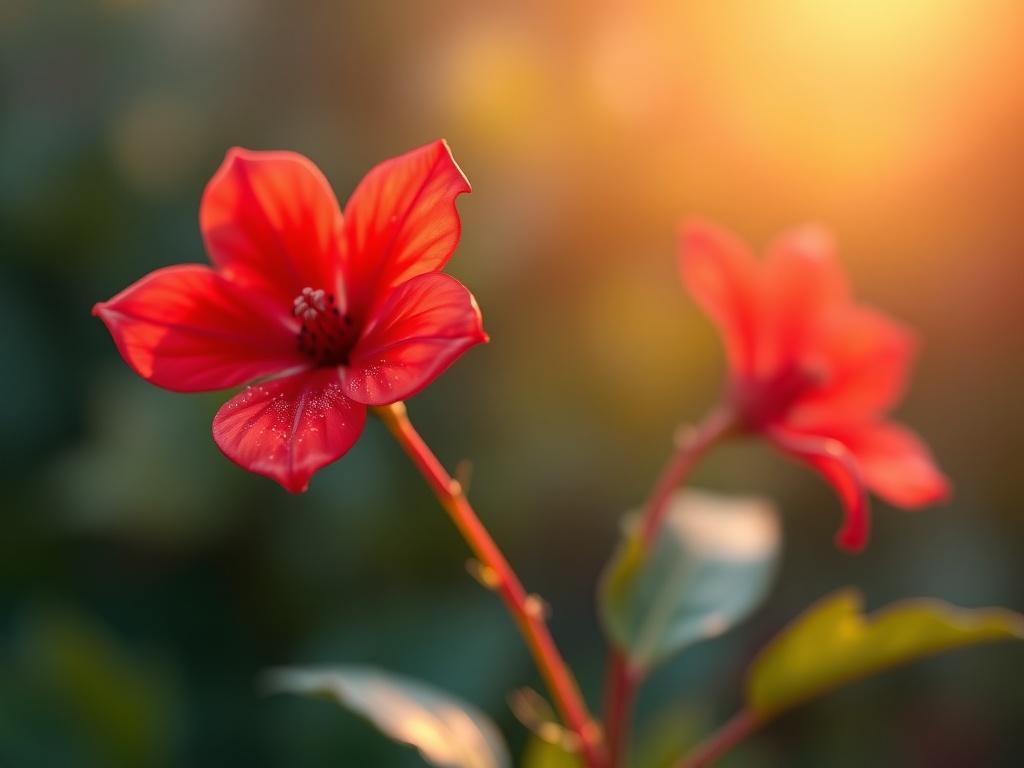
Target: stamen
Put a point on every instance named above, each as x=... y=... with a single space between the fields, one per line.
x=326 y=335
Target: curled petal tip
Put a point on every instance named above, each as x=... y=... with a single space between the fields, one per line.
x=402 y=221
x=834 y=461
x=852 y=541
x=444 y=148
x=852 y=537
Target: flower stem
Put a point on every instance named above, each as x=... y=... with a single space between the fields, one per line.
x=692 y=445
x=527 y=610
x=742 y=724
x=620 y=693
x=623 y=680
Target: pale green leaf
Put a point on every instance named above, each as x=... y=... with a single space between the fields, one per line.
x=709 y=567
x=834 y=643
x=447 y=732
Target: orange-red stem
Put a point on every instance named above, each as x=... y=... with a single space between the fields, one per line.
x=692 y=446
x=741 y=725
x=619 y=694
x=528 y=612
x=623 y=680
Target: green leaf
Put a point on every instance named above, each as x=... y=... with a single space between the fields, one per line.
x=544 y=754
x=834 y=643
x=709 y=567
x=447 y=732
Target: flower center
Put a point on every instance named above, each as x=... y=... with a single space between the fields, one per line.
x=326 y=335
x=762 y=401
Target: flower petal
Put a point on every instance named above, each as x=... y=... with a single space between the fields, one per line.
x=864 y=358
x=837 y=464
x=288 y=428
x=188 y=329
x=271 y=222
x=400 y=222
x=896 y=465
x=422 y=327
x=725 y=281
x=804 y=285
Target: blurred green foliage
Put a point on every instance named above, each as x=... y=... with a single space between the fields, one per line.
x=75 y=694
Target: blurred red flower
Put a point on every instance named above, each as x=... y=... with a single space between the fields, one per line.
x=811 y=370
x=327 y=313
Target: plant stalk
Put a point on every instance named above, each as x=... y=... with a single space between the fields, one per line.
x=620 y=692
x=527 y=610
x=742 y=724
x=623 y=681
x=692 y=445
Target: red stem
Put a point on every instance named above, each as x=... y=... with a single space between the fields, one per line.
x=623 y=681
x=527 y=611
x=741 y=725
x=692 y=446
x=621 y=690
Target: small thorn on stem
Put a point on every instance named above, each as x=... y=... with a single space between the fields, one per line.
x=525 y=609
x=683 y=436
x=530 y=708
x=536 y=715
x=464 y=473
x=537 y=607
x=593 y=733
x=484 y=575
x=455 y=488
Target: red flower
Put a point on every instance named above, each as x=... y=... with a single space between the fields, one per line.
x=810 y=369
x=327 y=313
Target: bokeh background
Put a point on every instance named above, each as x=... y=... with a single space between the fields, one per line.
x=145 y=581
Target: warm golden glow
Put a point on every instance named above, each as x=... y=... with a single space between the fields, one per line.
x=858 y=92
x=828 y=104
